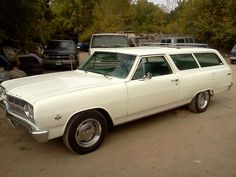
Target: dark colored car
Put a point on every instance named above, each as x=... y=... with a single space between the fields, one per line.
x=60 y=54
x=83 y=46
x=31 y=64
x=233 y=55
x=5 y=67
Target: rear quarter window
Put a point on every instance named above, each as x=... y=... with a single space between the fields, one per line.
x=208 y=59
x=184 y=61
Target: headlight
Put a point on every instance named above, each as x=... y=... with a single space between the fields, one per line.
x=2 y=93
x=29 y=112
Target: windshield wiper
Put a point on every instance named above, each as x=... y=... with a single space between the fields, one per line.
x=85 y=69
x=106 y=75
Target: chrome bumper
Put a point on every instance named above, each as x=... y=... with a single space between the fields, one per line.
x=16 y=121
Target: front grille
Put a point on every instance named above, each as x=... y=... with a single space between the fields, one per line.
x=16 y=106
x=59 y=57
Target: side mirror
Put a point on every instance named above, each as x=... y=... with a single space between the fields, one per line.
x=147 y=76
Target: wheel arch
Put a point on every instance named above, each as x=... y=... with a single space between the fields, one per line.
x=100 y=110
x=210 y=90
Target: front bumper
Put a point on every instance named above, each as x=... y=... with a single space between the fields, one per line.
x=16 y=121
x=60 y=63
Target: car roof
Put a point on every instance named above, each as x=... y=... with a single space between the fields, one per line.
x=178 y=37
x=60 y=40
x=109 y=34
x=156 y=50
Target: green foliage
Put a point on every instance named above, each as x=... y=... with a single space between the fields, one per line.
x=149 y=17
x=21 y=22
x=213 y=21
x=25 y=22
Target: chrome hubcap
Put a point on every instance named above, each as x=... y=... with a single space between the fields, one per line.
x=203 y=99
x=88 y=132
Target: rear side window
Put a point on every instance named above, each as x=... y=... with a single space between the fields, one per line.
x=184 y=61
x=208 y=59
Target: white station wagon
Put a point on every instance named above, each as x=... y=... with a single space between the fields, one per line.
x=112 y=87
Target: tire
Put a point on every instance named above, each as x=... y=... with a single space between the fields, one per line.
x=200 y=102
x=85 y=132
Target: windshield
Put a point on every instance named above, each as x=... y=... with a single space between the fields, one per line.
x=61 y=45
x=109 y=64
x=108 y=41
x=234 y=49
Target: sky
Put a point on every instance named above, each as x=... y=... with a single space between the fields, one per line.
x=168 y=4
x=158 y=1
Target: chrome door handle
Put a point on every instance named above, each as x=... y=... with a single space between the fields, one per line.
x=174 y=80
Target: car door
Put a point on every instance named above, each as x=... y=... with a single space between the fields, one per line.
x=153 y=87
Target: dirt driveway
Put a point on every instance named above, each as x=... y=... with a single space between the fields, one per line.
x=175 y=143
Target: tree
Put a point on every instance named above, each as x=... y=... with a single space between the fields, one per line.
x=149 y=17
x=20 y=22
x=212 y=21
x=112 y=16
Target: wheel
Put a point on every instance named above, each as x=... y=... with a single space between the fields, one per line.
x=200 y=102
x=85 y=132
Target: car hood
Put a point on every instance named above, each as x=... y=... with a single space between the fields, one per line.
x=35 y=88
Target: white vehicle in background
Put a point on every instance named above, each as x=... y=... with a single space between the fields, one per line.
x=112 y=87
x=176 y=42
x=107 y=40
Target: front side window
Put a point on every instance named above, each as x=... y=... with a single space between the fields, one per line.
x=208 y=59
x=109 y=64
x=184 y=61
x=156 y=66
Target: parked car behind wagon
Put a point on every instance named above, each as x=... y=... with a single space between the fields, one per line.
x=107 y=40
x=60 y=54
x=31 y=64
x=112 y=87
